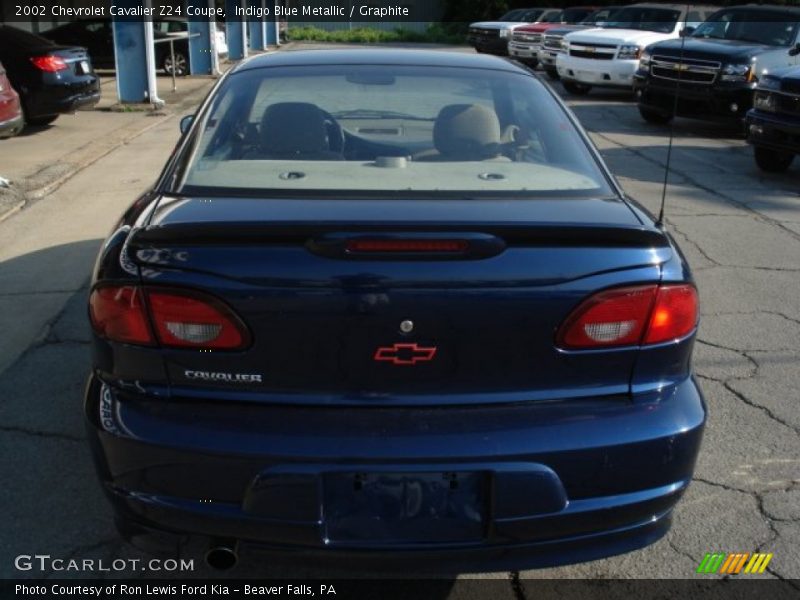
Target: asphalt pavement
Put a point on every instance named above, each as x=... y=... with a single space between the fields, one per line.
x=740 y=230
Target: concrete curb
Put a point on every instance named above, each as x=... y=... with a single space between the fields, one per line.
x=32 y=190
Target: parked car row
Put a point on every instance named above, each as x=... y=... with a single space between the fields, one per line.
x=695 y=61
x=528 y=42
x=53 y=73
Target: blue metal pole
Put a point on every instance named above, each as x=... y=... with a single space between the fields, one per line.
x=200 y=47
x=235 y=30
x=256 y=26
x=130 y=56
x=271 y=37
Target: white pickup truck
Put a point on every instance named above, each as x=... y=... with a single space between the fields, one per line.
x=609 y=57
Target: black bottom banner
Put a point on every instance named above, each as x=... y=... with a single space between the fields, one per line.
x=504 y=586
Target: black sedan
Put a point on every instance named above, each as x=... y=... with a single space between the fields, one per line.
x=97 y=36
x=51 y=79
x=773 y=125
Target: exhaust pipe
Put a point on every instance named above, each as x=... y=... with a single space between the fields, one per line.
x=222 y=556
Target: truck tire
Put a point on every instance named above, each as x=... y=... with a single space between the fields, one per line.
x=654 y=117
x=772 y=161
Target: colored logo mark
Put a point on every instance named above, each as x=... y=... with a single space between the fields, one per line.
x=732 y=564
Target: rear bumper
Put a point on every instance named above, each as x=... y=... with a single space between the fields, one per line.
x=604 y=73
x=777 y=132
x=710 y=102
x=562 y=482
x=53 y=99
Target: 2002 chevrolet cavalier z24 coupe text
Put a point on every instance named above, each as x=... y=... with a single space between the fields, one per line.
x=413 y=318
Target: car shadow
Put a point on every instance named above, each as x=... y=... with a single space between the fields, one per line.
x=29 y=130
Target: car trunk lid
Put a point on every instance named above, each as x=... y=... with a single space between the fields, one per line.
x=471 y=320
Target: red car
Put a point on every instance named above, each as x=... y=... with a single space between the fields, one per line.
x=11 y=121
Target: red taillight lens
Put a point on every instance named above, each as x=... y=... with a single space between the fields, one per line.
x=195 y=321
x=630 y=316
x=49 y=63
x=407 y=245
x=674 y=314
x=611 y=318
x=118 y=313
x=179 y=319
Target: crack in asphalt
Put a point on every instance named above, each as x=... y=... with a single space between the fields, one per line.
x=681 y=551
x=742 y=267
x=743 y=397
x=726 y=382
x=46 y=336
x=694 y=244
x=758 y=496
x=45 y=434
x=691 y=180
x=516 y=586
x=83 y=548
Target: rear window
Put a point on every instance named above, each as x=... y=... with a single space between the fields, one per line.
x=398 y=129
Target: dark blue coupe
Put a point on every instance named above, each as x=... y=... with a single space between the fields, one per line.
x=391 y=306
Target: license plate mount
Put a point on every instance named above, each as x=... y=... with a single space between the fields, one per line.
x=404 y=508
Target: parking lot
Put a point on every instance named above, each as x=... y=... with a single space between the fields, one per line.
x=739 y=228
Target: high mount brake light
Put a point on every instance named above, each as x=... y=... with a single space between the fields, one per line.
x=396 y=245
x=49 y=63
x=630 y=316
x=180 y=319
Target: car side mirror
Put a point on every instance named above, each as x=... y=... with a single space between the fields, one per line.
x=795 y=51
x=687 y=31
x=186 y=123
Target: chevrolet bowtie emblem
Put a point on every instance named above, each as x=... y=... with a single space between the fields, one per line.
x=589 y=49
x=680 y=67
x=405 y=354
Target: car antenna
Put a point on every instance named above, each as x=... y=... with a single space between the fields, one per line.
x=660 y=220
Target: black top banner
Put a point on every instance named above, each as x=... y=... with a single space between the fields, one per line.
x=357 y=11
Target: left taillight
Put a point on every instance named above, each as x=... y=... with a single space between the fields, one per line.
x=118 y=314
x=49 y=63
x=631 y=316
x=170 y=318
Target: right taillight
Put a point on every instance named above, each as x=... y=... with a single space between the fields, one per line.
x=171 y=318
x=674 y=315
x=49 y=63
x=631 y=316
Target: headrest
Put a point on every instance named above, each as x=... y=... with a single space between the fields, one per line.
x=293 y=128
x=467 y=132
